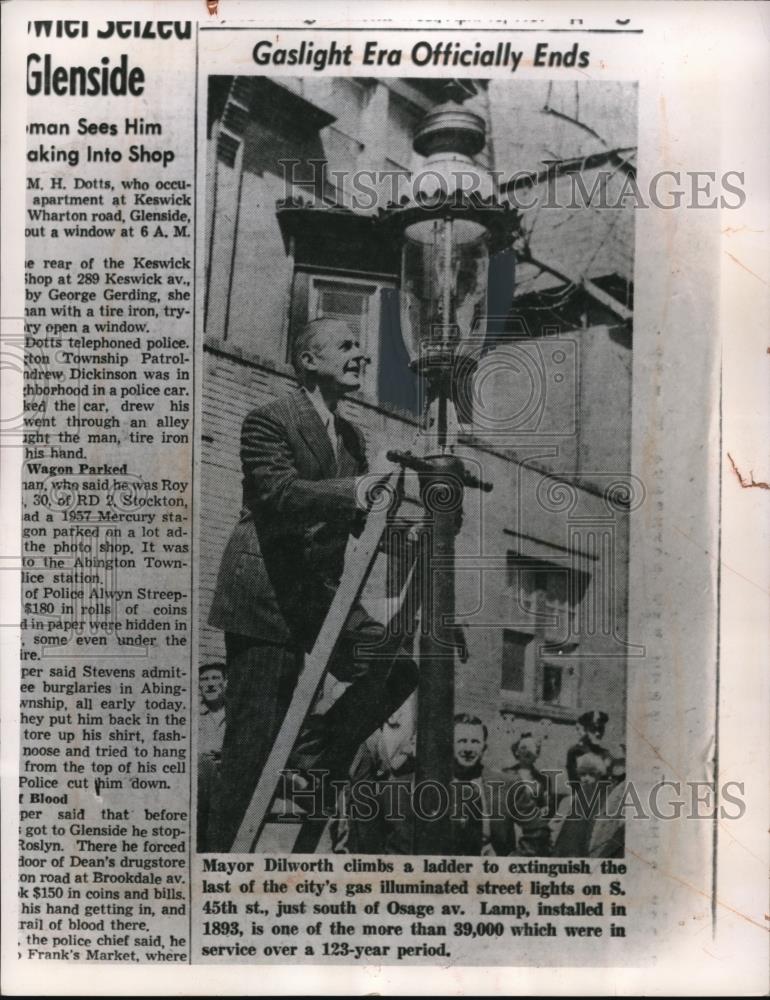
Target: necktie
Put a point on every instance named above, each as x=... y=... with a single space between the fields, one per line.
x=333 y=431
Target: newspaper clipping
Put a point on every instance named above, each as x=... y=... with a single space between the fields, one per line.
x=365 y=479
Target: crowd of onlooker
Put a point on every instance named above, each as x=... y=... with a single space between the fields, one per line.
x=520 y=809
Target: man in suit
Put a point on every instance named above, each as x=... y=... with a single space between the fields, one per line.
x=481 y=823
x=478 y=801
x=212 y=685
x=303 y=476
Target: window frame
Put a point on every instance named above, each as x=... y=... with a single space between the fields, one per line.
x=536 y=634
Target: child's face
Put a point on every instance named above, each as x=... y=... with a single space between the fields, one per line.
x=588 y=777
x=590 y=769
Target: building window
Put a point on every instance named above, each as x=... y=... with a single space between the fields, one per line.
x=546 y=595
x=515 y=658
x=557 y=684
x=542 y=599
x=550 y=691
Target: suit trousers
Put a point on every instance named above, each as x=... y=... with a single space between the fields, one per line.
x=260 y=683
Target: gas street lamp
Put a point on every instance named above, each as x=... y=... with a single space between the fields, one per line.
x=446 y=232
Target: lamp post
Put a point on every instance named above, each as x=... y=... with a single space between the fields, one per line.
x=446 y=231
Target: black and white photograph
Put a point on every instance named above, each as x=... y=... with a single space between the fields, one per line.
x=383 y=527
x=416 y=488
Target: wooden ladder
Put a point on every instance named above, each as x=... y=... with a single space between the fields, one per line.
x=301 y=834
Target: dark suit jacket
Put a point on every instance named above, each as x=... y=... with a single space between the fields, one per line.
x=285 y=556
x=480 y=820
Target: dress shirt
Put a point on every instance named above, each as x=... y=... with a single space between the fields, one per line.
x=326 y=415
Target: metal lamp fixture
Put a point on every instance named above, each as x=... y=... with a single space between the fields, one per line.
x=447 y=230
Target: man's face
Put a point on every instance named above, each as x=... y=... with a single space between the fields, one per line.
x=211 y=685
x=469 y=745
x=335 y=358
